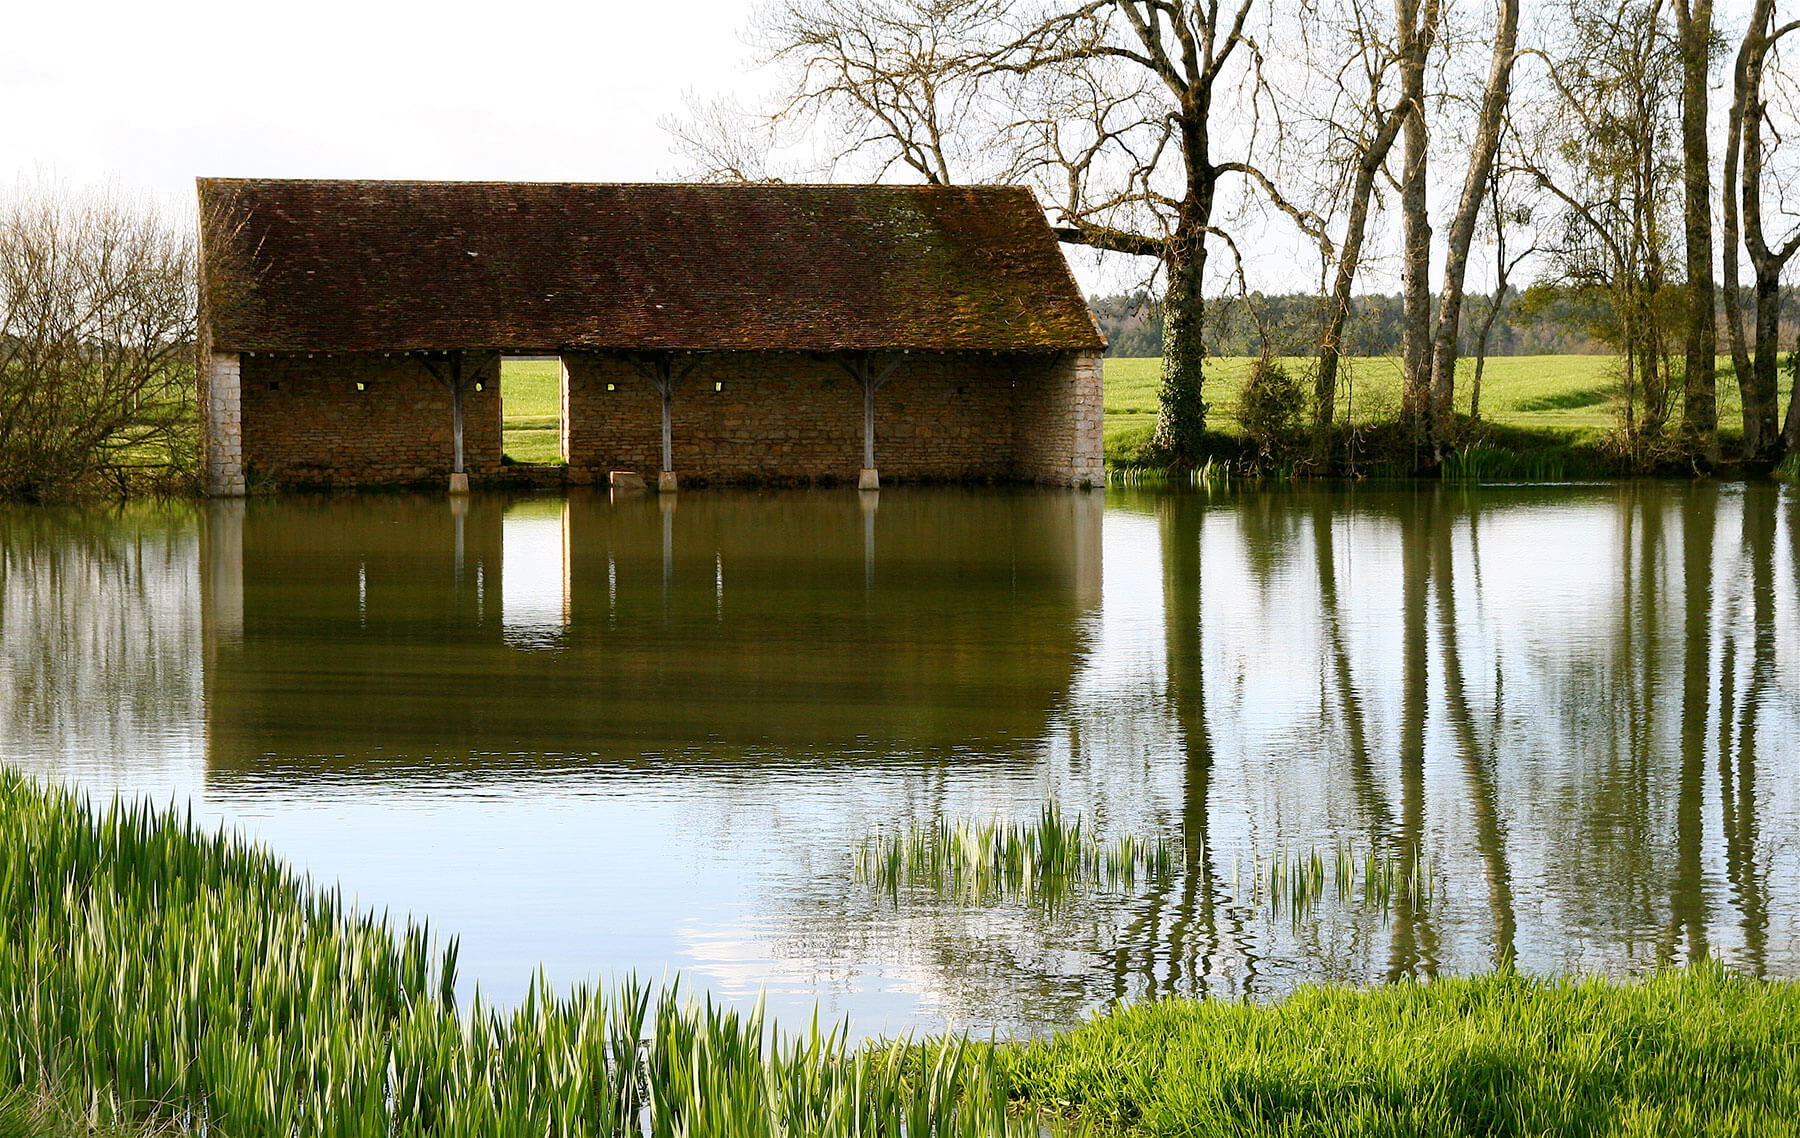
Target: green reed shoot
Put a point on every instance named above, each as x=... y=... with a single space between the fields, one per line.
x=190 y=982
x=1294 y=883
x=1042 y=860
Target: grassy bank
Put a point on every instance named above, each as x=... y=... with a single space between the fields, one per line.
x=157 y=977
x=1548 y=413
x=1695 y=1051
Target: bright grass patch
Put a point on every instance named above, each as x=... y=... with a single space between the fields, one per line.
x=531 y=410
x=1691 y=1051
x=1573 y=398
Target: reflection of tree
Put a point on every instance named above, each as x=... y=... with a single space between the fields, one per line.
x=1379 y=816
x=1414 y=947
x=1185 y=902
x=1687 y=902
x=99 y=633
x=1737 y=756
x=1184 y=633
x=1478 y=760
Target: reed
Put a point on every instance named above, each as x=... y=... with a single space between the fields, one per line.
x=983 y=861
x=1479 y=462
x=1214 y=474
x=188 y=981
x=1047 y=859
x=1295 y=883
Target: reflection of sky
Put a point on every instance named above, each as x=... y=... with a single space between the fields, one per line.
x=534 y=572
x=736 y=875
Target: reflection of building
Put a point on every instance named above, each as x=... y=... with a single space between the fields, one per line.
x=408 y=630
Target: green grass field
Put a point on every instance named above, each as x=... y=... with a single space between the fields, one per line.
x=531 y=404
x=1573 y=398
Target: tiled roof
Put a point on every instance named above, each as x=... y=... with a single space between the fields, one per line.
x=414 y=266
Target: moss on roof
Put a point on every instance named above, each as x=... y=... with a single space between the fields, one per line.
x=295 y=265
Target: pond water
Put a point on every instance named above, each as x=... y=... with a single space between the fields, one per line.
x=595 y=736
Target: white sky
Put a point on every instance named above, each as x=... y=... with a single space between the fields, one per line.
x=148 y=96
x=151 y=95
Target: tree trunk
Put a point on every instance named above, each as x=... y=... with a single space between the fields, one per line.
x=1415 y=303
x=1349 y=260
x=1181 y=417
x=1734 y=316
x=1462 y=226
x=1764 y=368
x=1700 y=409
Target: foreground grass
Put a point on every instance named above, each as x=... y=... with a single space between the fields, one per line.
x=157 y=979
x=1695 y=1051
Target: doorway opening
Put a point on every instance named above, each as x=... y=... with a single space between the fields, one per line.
x=531 y=408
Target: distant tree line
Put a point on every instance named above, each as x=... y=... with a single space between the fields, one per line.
x=1542 y=321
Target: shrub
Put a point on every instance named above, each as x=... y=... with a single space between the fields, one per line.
x=1270 y=409
x=97 y=328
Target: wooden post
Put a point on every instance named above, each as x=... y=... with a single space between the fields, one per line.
x=869 y=427
x=668 y=440
x=659 y=369
x=453 y=380
x=459 y=478
x=861 y=367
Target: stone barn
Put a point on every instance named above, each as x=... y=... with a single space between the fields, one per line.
x=352 y=332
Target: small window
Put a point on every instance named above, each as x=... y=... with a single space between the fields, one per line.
x=612 y=387
x=481 y=385
x=274 y=385
x=718 y=385
x=362 y=385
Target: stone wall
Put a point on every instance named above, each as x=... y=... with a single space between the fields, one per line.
x=781 y=416
x=306 y=423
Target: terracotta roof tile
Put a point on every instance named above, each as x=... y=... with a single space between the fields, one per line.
x=399 y=266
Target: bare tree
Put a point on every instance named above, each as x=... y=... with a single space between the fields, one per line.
x=97 y=331
x=884 y=84
x=1745 y=139
x=1112 y=109
x=1700 y=408
x=1141 y=174
x=1501 y=213
x=1603 y=150
x=1368 y=132
x=1494 y=100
